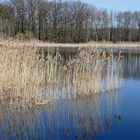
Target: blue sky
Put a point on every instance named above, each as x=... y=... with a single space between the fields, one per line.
x=116 y=5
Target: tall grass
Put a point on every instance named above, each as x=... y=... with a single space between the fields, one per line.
x=30 y=77
x=21 y=74
x=90 y=72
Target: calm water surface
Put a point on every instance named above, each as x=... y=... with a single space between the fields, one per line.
x=110 y=116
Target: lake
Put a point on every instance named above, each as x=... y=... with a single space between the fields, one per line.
x=108 y=116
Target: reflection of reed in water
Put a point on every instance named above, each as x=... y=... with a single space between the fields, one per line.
x=131 y=65
x=81 y=118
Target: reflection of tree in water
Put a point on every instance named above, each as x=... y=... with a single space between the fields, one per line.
x=131 y=65
x=81 y=118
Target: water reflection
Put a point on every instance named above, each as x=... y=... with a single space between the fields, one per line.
x=131 y=65
x=81 y=118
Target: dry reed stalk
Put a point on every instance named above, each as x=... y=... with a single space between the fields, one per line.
x=25 y=71
x=21 y=73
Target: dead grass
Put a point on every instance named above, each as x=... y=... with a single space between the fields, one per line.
x=29 y=77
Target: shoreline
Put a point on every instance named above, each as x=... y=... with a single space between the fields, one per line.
x=102 y=45
x=123 y=47
x=94 y=44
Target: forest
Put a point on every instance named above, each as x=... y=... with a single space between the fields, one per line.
x=67 y=21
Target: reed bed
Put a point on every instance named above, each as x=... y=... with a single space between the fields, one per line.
x=92 y=71
x=30 y=77
x=21 y=74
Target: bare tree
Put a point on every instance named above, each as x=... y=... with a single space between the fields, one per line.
x=67 y=21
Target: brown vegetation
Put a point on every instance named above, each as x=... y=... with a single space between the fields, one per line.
x=30 y=77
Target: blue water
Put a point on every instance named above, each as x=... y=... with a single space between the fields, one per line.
x=110 y=116
x=129 y=126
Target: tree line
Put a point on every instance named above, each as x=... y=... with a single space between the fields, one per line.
x=67 y=21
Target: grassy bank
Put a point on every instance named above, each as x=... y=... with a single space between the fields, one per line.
x=100 y=45
x=29 y=77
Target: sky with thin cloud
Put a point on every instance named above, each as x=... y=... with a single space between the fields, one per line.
x=116 y=5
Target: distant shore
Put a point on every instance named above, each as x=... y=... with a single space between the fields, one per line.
x=102 y=45
x=128 y=45
x=105 y=45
